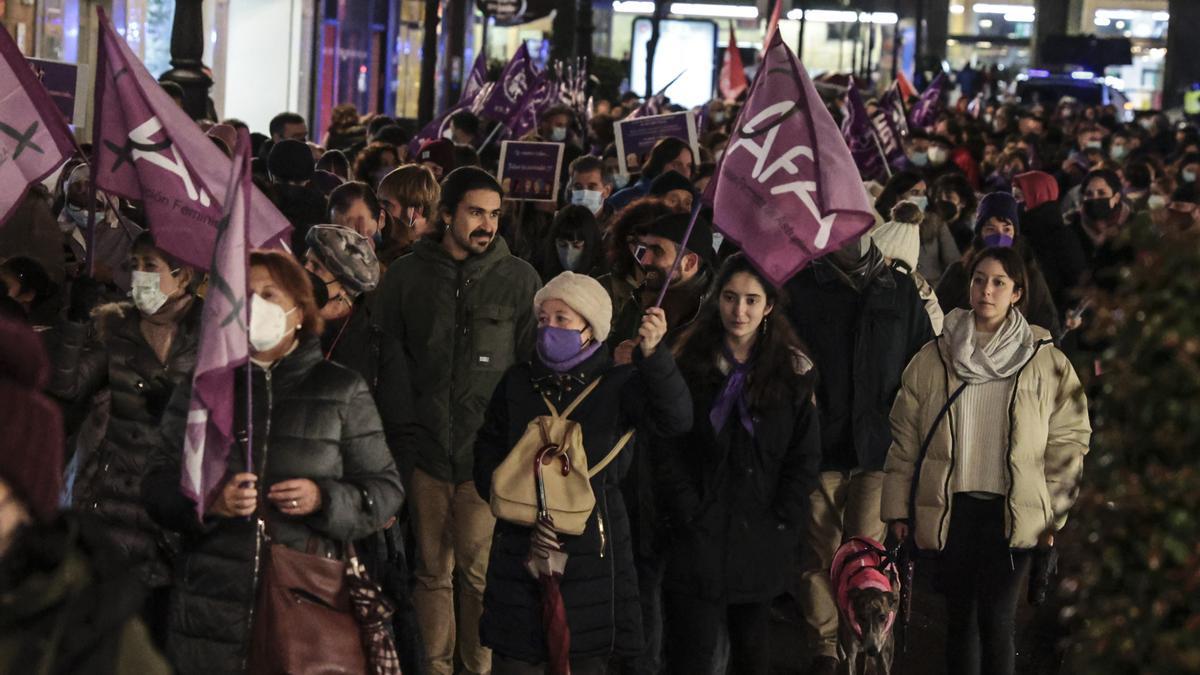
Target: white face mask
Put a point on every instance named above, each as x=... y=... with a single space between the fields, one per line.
x=1156 y=202
x=938 y=156
x=268 y=323
x=558 y=134
x=620 y=180
x=569 y=256
x=77 y=217
x=146 y=291
x=589 y=198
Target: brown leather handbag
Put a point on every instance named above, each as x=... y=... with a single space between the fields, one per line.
x=303 y=622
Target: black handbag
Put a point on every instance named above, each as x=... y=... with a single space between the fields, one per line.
x=1042 y=569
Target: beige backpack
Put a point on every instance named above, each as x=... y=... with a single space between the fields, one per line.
x=546 y=472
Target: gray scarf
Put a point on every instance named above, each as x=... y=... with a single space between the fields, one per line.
x=1009 y=349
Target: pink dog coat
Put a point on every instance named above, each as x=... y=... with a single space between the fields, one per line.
x=860 y=563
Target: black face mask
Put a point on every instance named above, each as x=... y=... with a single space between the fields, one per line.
x=946 y=210
x=1097 y=209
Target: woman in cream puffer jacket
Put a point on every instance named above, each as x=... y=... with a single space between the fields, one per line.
x=989 y=432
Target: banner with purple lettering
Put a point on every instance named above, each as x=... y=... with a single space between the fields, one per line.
x=860 y=137
x=224 y=340
x=787 y=190
x=148 y=149
x=635 y=137
x=34 y=138
x=925 y=112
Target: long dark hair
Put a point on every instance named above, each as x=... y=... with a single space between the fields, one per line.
x=773 y=376
x=576 y=223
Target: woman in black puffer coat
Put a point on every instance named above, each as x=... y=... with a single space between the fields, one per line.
x=736 y=487
x=599 y=585
x=328 y=478
x=142 y=352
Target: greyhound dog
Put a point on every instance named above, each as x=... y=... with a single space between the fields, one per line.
x=867 y=590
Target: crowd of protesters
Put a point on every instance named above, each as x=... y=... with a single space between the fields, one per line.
x=915 y=385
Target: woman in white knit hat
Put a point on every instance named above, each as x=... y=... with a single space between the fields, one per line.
x=598 y=585
x=899 y=240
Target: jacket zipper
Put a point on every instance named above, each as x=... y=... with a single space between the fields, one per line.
x=459 y=320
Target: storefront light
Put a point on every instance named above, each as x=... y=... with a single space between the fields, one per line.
x=1019 y=18
x=957 y=9
x=843 y=16
x=688 y=9
x=1006 y=10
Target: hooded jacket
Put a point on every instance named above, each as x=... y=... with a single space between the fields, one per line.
x=1048 y=436
x=462 y=325
x=113 y=353
x=1057 y=250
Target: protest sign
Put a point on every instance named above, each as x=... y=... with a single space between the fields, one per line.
x=67 y=84
x=529 y=171
x=635 y=137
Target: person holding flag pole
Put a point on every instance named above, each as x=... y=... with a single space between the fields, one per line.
x=270 y=440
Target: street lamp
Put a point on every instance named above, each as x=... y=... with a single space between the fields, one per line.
x=187 y=51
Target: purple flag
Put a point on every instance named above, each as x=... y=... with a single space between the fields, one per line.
x=892 y=105
x=34 y=139
x=540 y=97
x=787 y=190
x=653 y=105
x=475 y=85
x=928 y=106
x=860 y=137
x=517 y=78
x=148 y=149
x=224 y=341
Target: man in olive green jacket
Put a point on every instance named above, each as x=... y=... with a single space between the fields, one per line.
x=462 y=306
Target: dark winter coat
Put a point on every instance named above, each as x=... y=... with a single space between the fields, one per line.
x=600 y=587
x=462 y=325
x=312 y=419
x=69 y=606
x=360 y=343
x=1059 y=253
x=860 y=343
x=737 y=502
x=113 y=353
x=954 y=292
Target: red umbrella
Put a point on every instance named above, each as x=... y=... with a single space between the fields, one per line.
x=547 y=562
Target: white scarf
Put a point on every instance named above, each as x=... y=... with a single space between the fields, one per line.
x=1010 y=348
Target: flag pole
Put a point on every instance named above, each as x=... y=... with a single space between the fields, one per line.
x=492 y=136
x=679 y=253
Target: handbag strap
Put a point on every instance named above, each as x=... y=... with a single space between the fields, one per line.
x=612 y=454
x=574 y=404
x=912 y=490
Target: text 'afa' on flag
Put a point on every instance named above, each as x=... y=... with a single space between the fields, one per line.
x=148 y=149
x=787 y=190
x=34 y=138
x=224 y=343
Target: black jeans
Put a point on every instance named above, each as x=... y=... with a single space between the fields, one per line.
x=650 y=570
x=982 y=580
x=694 y=632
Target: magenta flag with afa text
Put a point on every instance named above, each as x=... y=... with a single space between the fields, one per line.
x=34 y=138
x=148 y=149
x=787 y=190
x=223 y=343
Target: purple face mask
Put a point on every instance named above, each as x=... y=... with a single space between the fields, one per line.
x=562 y=348
x=999 y=239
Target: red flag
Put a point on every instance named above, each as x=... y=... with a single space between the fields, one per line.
x=34 y=139
x=148 y=149
x=773 y=24
x=787 y=190
x=733 y=73
x=907 y=91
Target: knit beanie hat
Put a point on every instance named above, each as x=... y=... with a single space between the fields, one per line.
x=900 y=237
x=997 y=205
x=291 y=160
x=583 y=294
x=440 y=152
x=1038 y=187
x=347 y=255
x=31 y=452
x=671 y=180
x=674 y=226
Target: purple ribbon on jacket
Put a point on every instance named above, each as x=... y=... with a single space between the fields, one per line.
x=733 y=393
